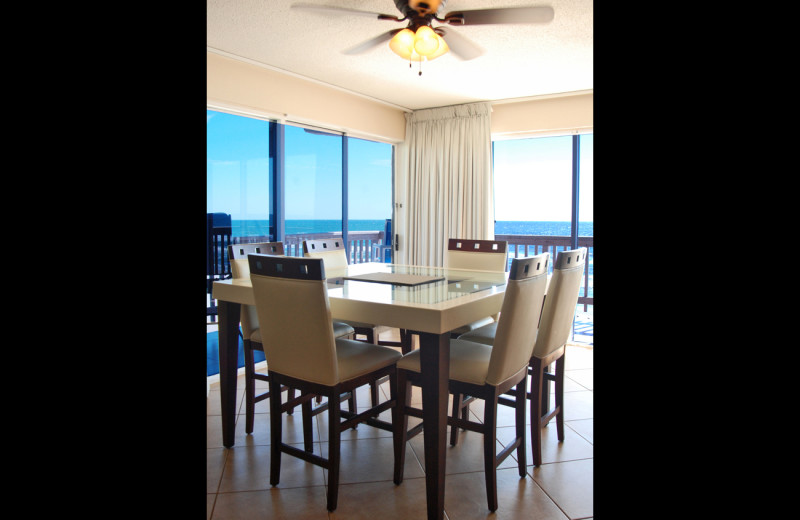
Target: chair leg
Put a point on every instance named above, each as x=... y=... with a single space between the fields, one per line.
x=289 y=397
x=352 y=404
x=537 y=377
x=462 y=407
x=373 y=393
x=275 y=431
x=402 y=391
x=522 y=435
x=334 y=438
x=559 y=388
x=456 y=409
x=490 y=451
x=249 y=386
x=308 y=439
x=371 y=337
x=406 y=341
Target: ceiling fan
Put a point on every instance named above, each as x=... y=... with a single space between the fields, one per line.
x=420 y=41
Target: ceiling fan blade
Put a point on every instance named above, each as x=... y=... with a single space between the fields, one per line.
x=502 y=15
x=370 y=44
x=327 y=9
x=459 y=45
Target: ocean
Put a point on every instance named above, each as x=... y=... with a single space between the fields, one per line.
x=502 y=227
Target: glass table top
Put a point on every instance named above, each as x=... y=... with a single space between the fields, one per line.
x=415 y=284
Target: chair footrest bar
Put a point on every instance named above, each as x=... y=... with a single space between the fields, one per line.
x=308 y=457
x=292 y=403
x=367 y=417
x=506 y=401
x=465 y=425
x=507 y=451
x=552 y=413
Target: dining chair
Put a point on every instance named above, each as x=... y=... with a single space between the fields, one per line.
x=480 y=255
x=476 y=255
x=486 y=372
x=557 y=316
x=291 y=298
x=251 y=332
x=333 y=253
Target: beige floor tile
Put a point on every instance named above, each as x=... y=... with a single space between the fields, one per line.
x=371 y=460
x=577 y=405
x=583 y=427
x=465 y=456
x=583 y=378
x=574 y=447
x=291 y=429
x=307 y=503
x=215 y=464
x=517 y=498
x=569 y=484
x=382 y=500
x=247 y=468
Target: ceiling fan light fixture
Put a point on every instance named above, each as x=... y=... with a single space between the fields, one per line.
x=418 y=47
x=402 y=43
x=425 y=41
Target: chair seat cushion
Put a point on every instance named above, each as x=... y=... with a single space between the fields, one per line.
x=483 y=334
x=356 y=358
x=342 y=329
x=472 y=326
x=469 y=361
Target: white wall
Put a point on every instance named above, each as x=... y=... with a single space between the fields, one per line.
x=254 y=90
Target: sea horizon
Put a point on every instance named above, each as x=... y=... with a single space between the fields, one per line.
x=250 y=227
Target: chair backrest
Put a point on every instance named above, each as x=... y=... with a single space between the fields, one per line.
x=519 y=317
x=291 y=298
x=237 y=254
x=482 y=255
x=559 y=304
x=331 y=250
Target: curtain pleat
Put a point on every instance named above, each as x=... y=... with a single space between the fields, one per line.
x=449 y=187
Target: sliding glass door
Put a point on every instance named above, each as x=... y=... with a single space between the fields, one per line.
x=290 y=183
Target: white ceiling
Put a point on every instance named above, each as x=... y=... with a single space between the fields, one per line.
x=520 y=60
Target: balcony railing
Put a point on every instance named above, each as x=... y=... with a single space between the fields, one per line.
x=530 y=245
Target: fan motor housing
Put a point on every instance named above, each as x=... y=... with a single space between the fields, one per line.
x=410 y=8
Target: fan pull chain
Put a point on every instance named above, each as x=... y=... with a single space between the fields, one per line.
x=420 y=64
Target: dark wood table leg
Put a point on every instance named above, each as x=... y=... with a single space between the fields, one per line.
x=435 y=361
x=228 y=359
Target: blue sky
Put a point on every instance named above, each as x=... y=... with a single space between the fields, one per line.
x=532 y=176
x=238 y=167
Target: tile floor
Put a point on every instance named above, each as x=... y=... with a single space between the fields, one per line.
x=561 y=488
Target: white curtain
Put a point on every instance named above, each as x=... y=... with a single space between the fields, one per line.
x=446 y=161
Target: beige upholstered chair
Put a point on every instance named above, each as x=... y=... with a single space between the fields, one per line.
x=251 y=332
x=292 y=303
x=486 y=372
x=554 y=329
x=476 y=255
x=334 y=255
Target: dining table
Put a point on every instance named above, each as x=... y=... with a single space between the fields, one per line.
x=423 y=300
